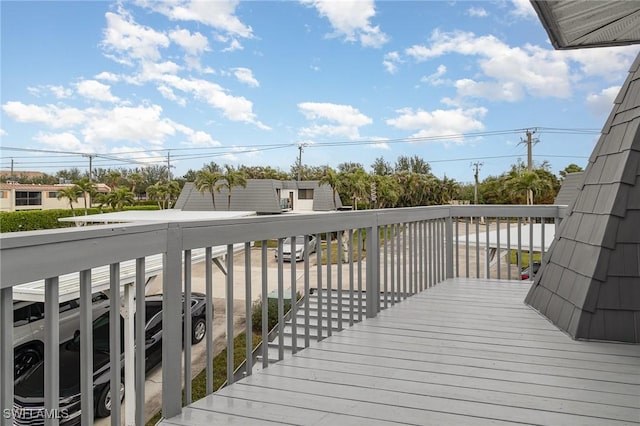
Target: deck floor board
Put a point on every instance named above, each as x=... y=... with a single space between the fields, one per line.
x=466 y=351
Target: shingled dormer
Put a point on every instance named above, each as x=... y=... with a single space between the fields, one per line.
x=589 y=282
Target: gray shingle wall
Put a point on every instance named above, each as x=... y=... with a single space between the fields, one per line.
x=589 y=282
x=260 y=195
x=569 y=188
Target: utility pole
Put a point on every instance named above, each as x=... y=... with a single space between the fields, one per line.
x=530 y=141
x=90 y=156
x=11 y=178
x=300 y=149
x=477 y=166
x=169 y=166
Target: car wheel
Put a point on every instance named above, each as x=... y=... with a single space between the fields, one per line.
x=24 y=360
x=103 y=409
x=199 y=330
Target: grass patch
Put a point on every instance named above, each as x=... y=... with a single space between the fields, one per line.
x=513 y=257
x=199 y=383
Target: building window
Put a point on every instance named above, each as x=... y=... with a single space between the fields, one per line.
x=53 y=194
x=305 y=194
x=28 y=198
x=3 y=194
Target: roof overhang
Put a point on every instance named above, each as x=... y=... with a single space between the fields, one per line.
x=575 y=24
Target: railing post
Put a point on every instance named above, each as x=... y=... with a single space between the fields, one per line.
x=51 y=348
x=373 y=271
x=6 y=356
x=449 y=246
x=172 y=323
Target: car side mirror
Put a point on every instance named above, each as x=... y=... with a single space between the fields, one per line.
x=76 y=335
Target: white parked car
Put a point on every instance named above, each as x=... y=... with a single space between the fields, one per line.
x=297 y=251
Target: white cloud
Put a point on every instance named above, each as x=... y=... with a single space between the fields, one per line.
x=135 y=42
x=611 y=63
x=3 y=132
x=523 y=9
x=93 y=89
x=601 y=103
x=235 y=108
x=139 y=124
x=219 y=14
x=352 y=20
x=512 y=71
x=194 y=44
x=167 y=93
x=49 y=115
x=345 y=120
x=61 y=92
x=439 y=122
x=478 y=12
x=391 y=61
x=108 y=76
x=65 y=141
x=434 y=79
x=233 y=46
x=245 y=75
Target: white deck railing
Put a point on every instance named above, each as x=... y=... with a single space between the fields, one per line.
x=407 y=250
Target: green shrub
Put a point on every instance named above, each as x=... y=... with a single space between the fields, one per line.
x=34 y=220
x=272 y=314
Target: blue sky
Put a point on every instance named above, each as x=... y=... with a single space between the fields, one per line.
x=249 y=82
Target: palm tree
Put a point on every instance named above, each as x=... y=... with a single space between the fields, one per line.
x=530 y=182
x=135 y=178
x=332 y=179
x=119 y=198
x=113 y=178
x=71 y=193
x=207 y=180
x=231 y=178
x=88 y=189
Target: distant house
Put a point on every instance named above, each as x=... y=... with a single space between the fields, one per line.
x=17 y=196
x=264 y=196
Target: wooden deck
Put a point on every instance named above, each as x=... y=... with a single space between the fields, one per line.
x=463 y=352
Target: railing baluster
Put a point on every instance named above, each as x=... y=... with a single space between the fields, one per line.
x=209 y=316
x=457 y=251
x=404 y=259
x=294 y=295
x=477 y=248
x=487 y=253
x=373 y=272
x=229 y=312
x=319 y=284
x=329 y=283
x=86 y=348
x=351 y=278
x=359 y=234
x=51 y=348
x=466 y=246
x=307 y=295
x=6 y=356
x=399 y=263
x=431 y=255
x=186 y=319
x=114 y=341
x=265 y=306
x=519 y=246
x=248 y=299
x=542 y=245
x=438 y=259
x=530 y=248
x=392 y=263
x=339 y=277
x=498 y=246
x=385 y=267
x=508 y=248
x=281 y=300
x=140 y=341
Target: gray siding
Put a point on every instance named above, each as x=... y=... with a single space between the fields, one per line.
x=589 y=283
x=260 y=195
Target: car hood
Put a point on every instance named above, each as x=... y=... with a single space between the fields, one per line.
x=31 y=384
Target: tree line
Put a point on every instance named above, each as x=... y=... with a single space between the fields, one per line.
x=408 y=182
